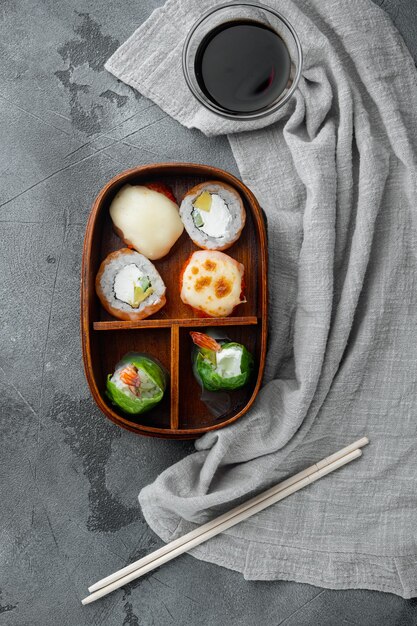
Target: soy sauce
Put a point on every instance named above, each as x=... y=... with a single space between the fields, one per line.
x=242 y=66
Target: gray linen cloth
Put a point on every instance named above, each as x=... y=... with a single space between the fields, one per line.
x=335 y=171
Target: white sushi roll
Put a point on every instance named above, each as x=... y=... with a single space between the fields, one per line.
x=129 y=286
x=146 y=219
x=213 y=215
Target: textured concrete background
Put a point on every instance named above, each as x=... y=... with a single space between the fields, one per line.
x=68 y=478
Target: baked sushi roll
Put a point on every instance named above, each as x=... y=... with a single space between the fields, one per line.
x=129 y=286
x=212 y=283
x=137 y=385
x=213 y=215
x=146 y=218
x=220 y=366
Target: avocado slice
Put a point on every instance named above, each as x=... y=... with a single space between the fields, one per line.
x=203 y=202
x=139 y=295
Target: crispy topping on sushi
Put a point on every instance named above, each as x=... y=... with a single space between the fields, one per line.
x=147 y=218
x=213 y=215
x=129 y=286
x=220 y=366
x=138 y=383
x=212 y=283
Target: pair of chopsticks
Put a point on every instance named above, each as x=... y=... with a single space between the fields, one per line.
x=223 y=522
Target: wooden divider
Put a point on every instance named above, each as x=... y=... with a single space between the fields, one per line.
x=175 y=366
x=164 y=323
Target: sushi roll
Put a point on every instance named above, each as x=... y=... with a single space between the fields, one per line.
x=146 y=218
x=129 y=286
x=213 y=215
x=137 y=385
x=212 y=283
x=220 y=366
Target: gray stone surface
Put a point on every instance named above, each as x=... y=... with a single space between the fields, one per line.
x=68 y=478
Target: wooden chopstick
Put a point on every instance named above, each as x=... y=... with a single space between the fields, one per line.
x=209 y=525
x=225 y=521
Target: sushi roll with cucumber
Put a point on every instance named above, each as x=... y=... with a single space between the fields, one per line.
x=213 y=215
x=129 y=286
x=220 y=366
x=137 y=385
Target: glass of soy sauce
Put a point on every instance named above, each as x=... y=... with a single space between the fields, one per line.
x=242 y=60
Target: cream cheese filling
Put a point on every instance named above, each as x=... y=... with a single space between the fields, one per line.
x=216 y=221
x=126 y=281
x=228 y=362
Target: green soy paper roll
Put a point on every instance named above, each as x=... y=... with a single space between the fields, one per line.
x=138 y=383
x=228 y=369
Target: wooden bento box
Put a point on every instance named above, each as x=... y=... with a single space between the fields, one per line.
x=166 y=335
